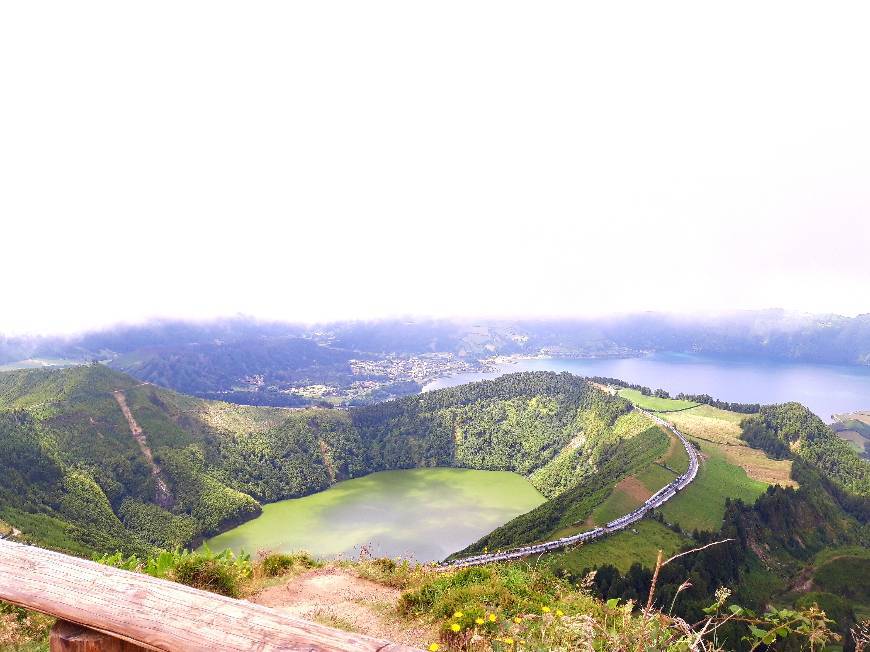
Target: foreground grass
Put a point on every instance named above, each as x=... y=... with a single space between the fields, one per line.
x=523 y=606
x=22 y=630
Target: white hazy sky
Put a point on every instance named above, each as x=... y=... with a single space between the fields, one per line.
x=323 y=160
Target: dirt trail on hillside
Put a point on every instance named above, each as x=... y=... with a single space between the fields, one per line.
x=335 y=596
x=162 y=497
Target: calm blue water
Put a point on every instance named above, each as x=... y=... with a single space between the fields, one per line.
x=825 y=389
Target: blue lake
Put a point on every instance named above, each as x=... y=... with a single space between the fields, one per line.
x=825 y=389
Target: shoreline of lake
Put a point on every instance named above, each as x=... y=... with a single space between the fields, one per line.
x=824 y=388
x=425 y=514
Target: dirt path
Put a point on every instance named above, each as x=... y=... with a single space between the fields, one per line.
x=337 y=597
x=162 y=497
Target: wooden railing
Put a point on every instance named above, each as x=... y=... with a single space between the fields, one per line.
x=102 y=609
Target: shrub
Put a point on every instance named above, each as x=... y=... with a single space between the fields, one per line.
x=277 y=563
x=399 y=575
x=219 y=573
x=208 y=575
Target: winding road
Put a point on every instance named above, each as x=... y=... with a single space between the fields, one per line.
x=656 y=500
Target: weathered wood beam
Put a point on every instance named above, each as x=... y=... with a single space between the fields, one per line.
x=157 y=614
x=69 y=637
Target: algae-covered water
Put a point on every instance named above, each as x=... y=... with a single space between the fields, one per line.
x=424 y=514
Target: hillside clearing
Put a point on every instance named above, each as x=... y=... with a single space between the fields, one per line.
x=702 y=504
x=633 y=490
x=654 y=403
x=628 y=494
x=712 y=424
x=721 y=429
x=731 y=469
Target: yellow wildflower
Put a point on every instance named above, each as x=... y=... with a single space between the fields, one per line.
x=509 y=641
x=458 y=614
x=455 y=627
x=560 y=613
x=546 y=610
x=492 y=618
x=517 y=619
x=434 y=647
x=479 y=621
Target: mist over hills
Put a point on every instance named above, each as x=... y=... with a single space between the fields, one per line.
x=228 y=358
x=775 y=334
x=245 y=360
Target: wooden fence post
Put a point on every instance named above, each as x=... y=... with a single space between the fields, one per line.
x=69 y=637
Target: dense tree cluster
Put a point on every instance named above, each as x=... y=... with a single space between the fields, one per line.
x=731 y=406
x=790 y=429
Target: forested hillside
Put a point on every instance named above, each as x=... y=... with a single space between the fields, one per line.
x=210 y=368
x=791 y=429
x=795 y=546
x=75 y=477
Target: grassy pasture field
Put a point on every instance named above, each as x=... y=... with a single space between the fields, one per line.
x=853 y=437
x=654 y=477
x=632 y=491
x=653 y=402
x=730 y=468
x=701 y=505
x=676 y=457
x=623 y=499
x=721 y=428
x=639 y=543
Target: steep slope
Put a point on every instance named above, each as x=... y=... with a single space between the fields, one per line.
x=791 y=546
x=92 y=459
x=74 y=474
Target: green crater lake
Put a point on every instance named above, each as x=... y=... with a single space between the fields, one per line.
x=423 y=514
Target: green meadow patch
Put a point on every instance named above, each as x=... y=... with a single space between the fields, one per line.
x=654 y=402
x=654 y=477
x=638 y=544
x=701 y=505
x=619 y=502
